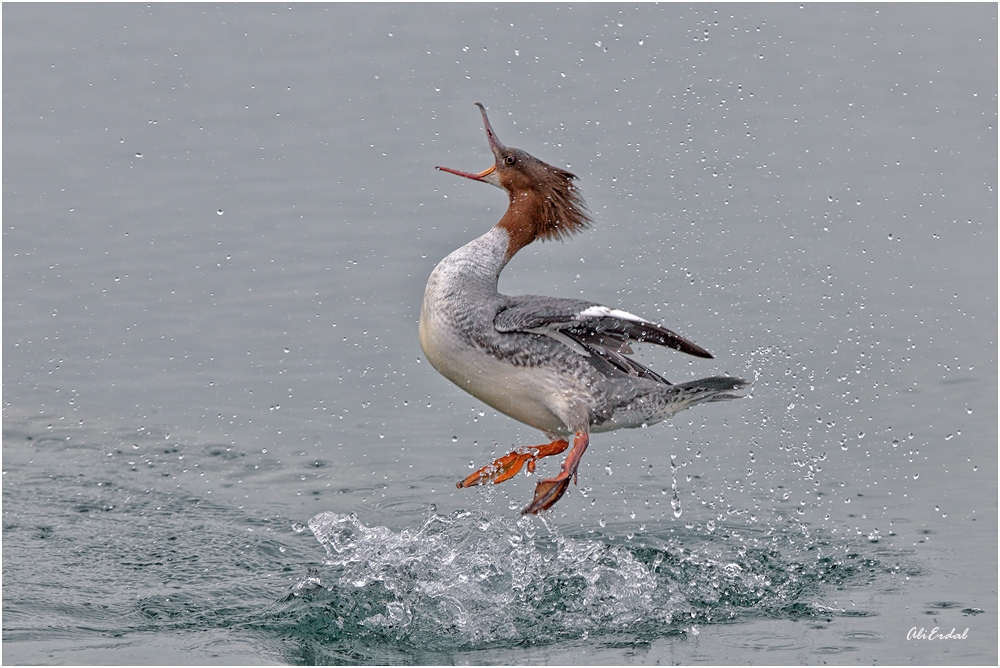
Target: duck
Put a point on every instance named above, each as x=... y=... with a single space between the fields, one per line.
x=560 y=365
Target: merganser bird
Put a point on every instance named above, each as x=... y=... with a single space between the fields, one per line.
x=556 y=364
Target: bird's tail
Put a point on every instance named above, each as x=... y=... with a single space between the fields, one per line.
x=715 y=388
x=664 y=401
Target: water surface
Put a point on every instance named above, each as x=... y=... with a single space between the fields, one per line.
x=222 y=444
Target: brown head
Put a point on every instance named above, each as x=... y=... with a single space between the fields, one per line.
x=544 y=202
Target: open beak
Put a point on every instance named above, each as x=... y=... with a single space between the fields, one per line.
x=488 y=175
x=481 y=176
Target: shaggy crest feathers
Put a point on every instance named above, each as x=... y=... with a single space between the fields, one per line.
x=564 y=212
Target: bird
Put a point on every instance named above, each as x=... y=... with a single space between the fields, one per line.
x=559 y=365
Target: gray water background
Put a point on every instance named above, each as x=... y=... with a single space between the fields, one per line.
x=217 y=224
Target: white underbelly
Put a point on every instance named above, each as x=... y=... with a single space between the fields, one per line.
x=528 y=394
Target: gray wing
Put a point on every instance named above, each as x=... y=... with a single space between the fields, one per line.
x=591 y=329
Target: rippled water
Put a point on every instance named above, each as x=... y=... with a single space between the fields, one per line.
x=222 y=444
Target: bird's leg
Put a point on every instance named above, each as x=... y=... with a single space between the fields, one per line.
x=547 y=492
x=507 y=466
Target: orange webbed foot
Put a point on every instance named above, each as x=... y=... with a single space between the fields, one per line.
x=508 y=466
x=502 y=469
x=547 y=492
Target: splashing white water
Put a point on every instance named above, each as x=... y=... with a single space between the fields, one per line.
x=475 y=579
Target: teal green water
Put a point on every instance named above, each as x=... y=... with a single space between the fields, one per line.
x=164 y=562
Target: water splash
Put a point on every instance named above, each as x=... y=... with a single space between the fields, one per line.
x=472 y=579
x=675 y=499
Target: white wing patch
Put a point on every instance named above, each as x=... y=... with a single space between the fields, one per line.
x=605 y=312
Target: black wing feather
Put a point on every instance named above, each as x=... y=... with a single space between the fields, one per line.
x=530 y=312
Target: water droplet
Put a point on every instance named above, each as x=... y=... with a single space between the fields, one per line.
x=675 y=499
x=219 y=212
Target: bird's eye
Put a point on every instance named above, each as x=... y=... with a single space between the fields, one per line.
x=510 y=160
